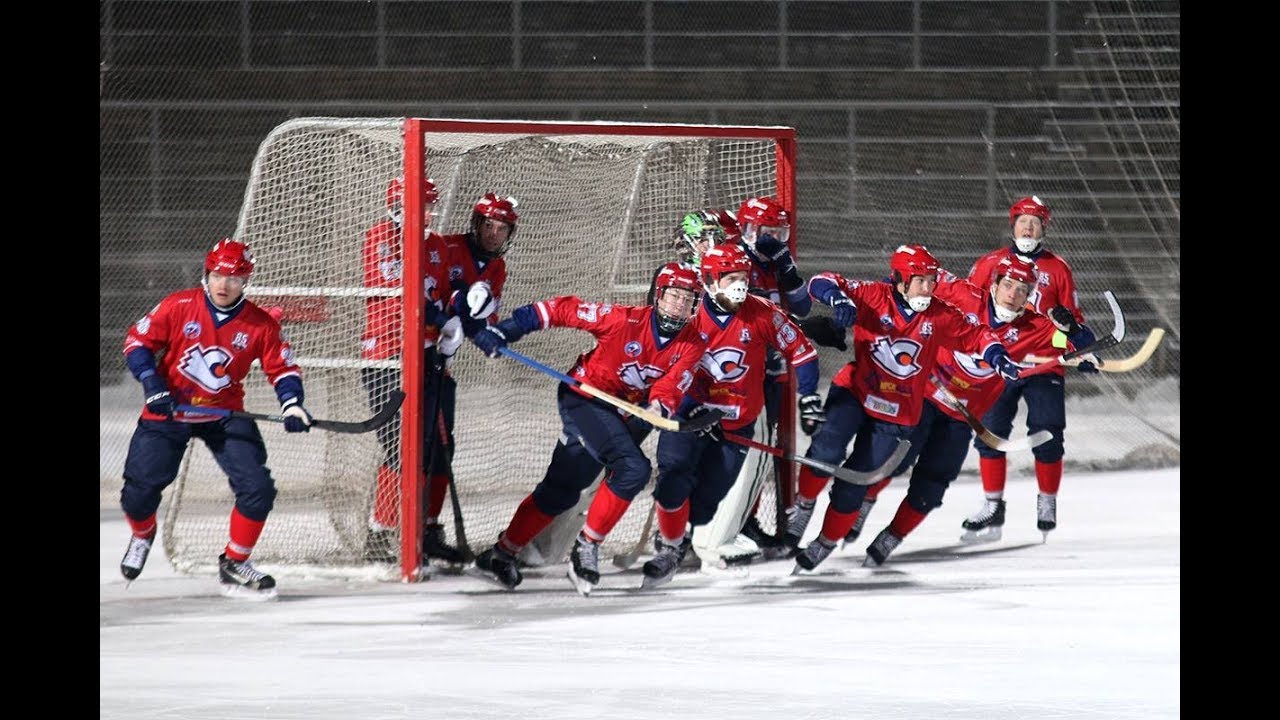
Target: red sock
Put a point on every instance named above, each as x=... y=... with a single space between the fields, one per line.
x=244 y=535
x=810 y=485
x=386 y=498
x=906 y=519
x=142 y=528
x=671 y=522
x=993 y=475
x=873 y=492
x=1049 y=476
x=605 y=512
x=439 y=486
x=525 y=525
x=835 y=525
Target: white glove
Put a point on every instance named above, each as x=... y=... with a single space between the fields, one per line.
x=296 y=417
x=450 y=338
x=480 y=300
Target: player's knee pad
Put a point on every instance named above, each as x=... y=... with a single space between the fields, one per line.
x=1050 y=451
x=925 y=497
x=985 y=450
x=847 y=497
x=138 y=500
x=673 y=491
x=630 y=475
x=257 y=502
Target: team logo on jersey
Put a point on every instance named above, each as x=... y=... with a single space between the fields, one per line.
x=973 y=366
x=778 y=320
x=209 y=368
x=589 y=311
x=632 y=349
x=1010 y=336
x=191 y=329
x=724 y=364
x=886 y=321
x=286 y=354
x=971 y=318
x=433 y=257
x=241 y=340
x=391 y=270
x=638 y=376
x=744 y=336
x=455 y=272
x=143 y=325
x=898 y=358
x=926 y=328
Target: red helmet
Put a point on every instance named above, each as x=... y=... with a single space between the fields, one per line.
x=722 y=259
x=675 y=275
x=498 y=207
x=229 y=257
x=732 y=233
x=761 y=211
x=909 y=260
x=1030 y=206
x=395 y=196
x=1015 y=267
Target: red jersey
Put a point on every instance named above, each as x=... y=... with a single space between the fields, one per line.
x=465 y=269
x=204 y=363
x=628 y=361
x=1055 y=286
x=731 y=373
x=383 y=261
x=893 y=354
x=968 y=376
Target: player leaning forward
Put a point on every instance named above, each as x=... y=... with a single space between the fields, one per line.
x=195 y=348
x=642 y=354
x=876 y=399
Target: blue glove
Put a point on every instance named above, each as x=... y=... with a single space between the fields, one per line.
x=713 y=431
x=296 y=417
x=158 y=399
x=490 y=340
x=1007 y=368
x=768 y=246
x=1064 y=320
x=811 y=413
x=1087 y=368
x=843 y=311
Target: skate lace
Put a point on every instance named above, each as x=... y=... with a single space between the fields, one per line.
x=1047 y=507
x=818 y=550
x=587 y=553
x=987 y=512
x=886 y=542
x=798 y=516
x=862 y=515
x=245 y=570
x=136 y=555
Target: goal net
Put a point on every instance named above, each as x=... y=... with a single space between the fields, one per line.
x=598 y=204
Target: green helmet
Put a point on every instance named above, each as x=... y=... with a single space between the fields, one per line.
x=697 y=232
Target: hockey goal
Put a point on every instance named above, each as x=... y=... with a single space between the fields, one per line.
x=598 y=203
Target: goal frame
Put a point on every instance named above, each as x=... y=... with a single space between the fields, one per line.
x=416 y=137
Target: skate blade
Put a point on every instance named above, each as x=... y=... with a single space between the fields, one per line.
x=978 y=537
x=652 y=583
x=240 y=592
x=485 y=575
x=870 y=562
x=798 y=569
x=583 y=587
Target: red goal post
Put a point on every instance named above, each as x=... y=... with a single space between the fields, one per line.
x=598 y=204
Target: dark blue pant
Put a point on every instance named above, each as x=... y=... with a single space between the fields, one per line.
x=694 y=467
x=874 y=441
x=595 y=437
x=378 y=382
x=939 y=445
x=156 y=449
x=1046 y=410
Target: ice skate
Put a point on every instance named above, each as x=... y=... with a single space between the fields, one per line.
x=500 y=566
x=659 y=570
x=434 y=546
x=1046 y=514
x=880 y=548
x=986 y=525
x=240 y=579
x=813 y=555
x=798 y=516
x=856 y=530
x=380 y=546
x=135 y=556
x=584 y=565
